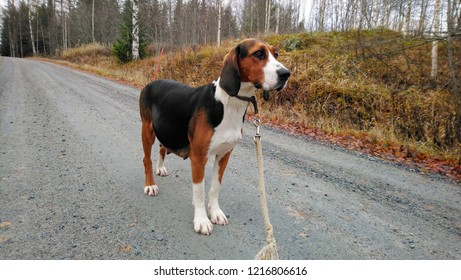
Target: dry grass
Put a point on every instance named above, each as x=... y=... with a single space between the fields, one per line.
x=361 y=85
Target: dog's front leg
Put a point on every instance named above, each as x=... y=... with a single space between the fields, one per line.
x=200 y=133
x=216 y=214
x=201 y=222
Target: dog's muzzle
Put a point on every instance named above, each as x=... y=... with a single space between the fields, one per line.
x=283 y=75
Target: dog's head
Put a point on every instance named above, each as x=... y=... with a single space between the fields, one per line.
x=255 y=62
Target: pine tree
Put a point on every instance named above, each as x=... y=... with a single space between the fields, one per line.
x=122 y=48
x=5 y=37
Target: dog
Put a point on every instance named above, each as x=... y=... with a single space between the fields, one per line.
x=207 y=121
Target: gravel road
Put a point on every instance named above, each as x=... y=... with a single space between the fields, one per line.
x=71 y=186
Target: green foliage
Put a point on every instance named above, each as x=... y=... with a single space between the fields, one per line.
x=291 y=44
x=5 y=43
x=17 y=27
x=123 y=45
x=122 y=48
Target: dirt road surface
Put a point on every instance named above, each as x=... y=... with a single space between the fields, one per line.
x=71 y=186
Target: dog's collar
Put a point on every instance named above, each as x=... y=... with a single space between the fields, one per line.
x=251 y=99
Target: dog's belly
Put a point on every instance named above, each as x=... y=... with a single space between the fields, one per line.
x=171 y=130
x=184 y=153
x=177 y=145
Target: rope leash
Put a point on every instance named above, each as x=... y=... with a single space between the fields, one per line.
x=158 y=63
x=268 y=252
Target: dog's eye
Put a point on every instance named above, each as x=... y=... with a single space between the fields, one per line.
x=276 y=55
x=259 y=55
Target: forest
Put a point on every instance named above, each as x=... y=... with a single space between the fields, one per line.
x=50 y=26
x=34 y=27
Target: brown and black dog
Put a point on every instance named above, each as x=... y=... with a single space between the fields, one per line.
x=206 y=121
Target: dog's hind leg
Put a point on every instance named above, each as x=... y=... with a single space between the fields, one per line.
x=148 y=138
x=161 y=169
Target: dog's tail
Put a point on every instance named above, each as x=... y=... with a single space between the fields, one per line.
x=145 y=104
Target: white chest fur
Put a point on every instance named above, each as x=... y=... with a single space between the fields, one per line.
x=229 y=131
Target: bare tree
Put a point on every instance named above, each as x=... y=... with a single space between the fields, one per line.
x=321 y=15
x=267 y=17
x=219 y=23
x=450 y=33
x=422 y=16
x=408 y=18
x=92 y=22
x=21 y=47
x=47 y=24
x=277 y=12
x=30 y=28
x=64 y=25
x=387 y=15
x=435 y=43
x=12 y=28
x=135 y=31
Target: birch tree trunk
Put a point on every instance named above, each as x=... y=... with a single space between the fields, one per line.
x=387 y=13
x=435 y=42
x=68 y=23
x=408 y=18
x=30 y=28
x=64 y=43
x=277 y=23
x=20 y=35
x=455 y=84
x=218 y=40
x=135 y=31
x=451 y=65
x=267 y=16
x=64 y=26
x=321 y=25
x=375 y=12
x=12 y=46
x=400 y=17
x=92 y=23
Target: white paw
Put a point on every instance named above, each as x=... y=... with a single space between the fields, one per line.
x=218 y=217
x=203 y=225
x=151 y=190
x=161 y=171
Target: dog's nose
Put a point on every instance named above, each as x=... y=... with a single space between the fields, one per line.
x=283 y=74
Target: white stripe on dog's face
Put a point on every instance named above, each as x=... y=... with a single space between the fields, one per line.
x=271 y=75
x=257 y=64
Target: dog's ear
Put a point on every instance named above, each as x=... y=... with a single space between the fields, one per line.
x=230 y=74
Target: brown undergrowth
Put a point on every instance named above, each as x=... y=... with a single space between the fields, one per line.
x=369 y=91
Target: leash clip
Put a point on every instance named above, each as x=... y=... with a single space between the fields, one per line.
x=257 y=120
x=257 y=124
